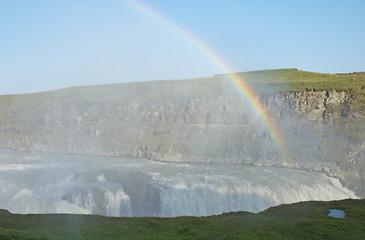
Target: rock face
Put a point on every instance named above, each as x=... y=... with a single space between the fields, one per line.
x=211 y=128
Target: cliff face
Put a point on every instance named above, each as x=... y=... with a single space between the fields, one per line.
x=222 y=128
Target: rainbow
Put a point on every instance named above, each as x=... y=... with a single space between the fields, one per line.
x=247 y=92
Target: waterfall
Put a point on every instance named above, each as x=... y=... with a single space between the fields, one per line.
x=46 y=183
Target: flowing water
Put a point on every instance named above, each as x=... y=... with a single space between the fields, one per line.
x=55 y=183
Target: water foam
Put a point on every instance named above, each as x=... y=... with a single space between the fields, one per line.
x=107 y=186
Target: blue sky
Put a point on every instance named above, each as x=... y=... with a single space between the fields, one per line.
x=46 y=45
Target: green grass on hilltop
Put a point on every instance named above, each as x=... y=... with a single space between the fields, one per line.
x=306 y=220
x=283 y=80
x=279 y=80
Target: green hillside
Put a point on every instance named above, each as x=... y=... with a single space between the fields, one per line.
x=307 y=220
x=280 y=80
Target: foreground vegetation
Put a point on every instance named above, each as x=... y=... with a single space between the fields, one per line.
x=307 y=220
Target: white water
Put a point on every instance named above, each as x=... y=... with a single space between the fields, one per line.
x=46 y=183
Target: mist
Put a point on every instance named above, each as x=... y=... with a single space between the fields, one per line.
x=175 y=148
x=115 y=186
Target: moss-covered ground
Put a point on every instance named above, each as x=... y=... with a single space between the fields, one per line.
x=306 y=220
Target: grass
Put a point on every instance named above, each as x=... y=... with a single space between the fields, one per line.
x=267 y=81
x=283 y=80
x=306 y=220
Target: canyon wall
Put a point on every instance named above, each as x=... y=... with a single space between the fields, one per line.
x=316 y=127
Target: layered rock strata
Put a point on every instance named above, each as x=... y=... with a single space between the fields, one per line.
x=223 y=128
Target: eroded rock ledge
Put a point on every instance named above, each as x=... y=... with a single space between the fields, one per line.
x=210 y=128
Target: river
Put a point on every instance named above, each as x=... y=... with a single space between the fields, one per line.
x=114 y=186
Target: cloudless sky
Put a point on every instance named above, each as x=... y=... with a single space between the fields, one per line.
x=47 y=45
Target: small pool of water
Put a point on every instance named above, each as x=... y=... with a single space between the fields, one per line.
x=336 y=213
